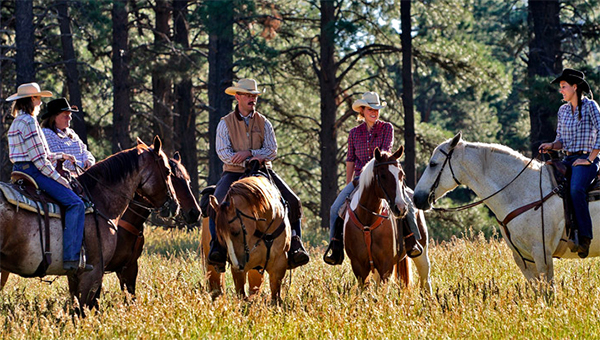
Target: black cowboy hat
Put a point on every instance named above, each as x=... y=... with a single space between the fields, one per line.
x=572 y=76
x=57 y=106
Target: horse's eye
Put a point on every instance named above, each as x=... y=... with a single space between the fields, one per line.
x=235 y=233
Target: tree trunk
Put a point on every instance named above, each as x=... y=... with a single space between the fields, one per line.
x=120 y=60
x=545 y=59
x=410 y=157
x=4 y=161
x=161 y=84
x=185 y=125
x=328 y=134
x=70 y=61
x=220 y=76
x=25 y=41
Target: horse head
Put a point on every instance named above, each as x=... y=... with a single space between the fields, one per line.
x=155 y=185
x=438 y=178
x=250 y=211
x=181 y=183
x=389 y=178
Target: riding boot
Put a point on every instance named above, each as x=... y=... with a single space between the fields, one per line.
x=297 y=255
x=334 y=255
x=217 y=256
x=584 y=246
x=412 y=233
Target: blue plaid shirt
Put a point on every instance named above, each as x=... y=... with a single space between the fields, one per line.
x=579 y=135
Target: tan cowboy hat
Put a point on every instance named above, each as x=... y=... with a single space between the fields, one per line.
x=28 y=90
x=243 y=86
x=369 y=99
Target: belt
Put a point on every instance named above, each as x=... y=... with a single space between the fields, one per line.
x=577 y=153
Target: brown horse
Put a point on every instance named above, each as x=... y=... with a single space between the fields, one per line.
x=253 y=223
x=111 y=184
x=216 y=279
x=372 y=239
x=130 y=234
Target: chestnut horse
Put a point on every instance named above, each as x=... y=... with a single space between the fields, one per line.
x=252 y=221
x=130 y=234
x=111 y=184
x=372 y=239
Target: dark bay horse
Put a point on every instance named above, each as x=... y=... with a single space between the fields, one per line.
x=111 y=184
x=252 y=222
x=130 y=234
x=372 y=239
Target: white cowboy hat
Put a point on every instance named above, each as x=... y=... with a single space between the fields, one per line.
x=28 y=90
x=369 y=99
x=244 y=86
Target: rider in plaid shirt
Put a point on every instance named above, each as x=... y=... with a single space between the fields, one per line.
x=362 y=141
x=578 y=134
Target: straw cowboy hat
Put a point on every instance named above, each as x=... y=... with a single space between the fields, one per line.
x=57 y=106
x=28 y=90
x=572 y=76
x=369 y=99
x=244 y=86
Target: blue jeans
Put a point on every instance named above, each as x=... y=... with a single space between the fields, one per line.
x=73 y=205
x=337 y=204
x=581 y=178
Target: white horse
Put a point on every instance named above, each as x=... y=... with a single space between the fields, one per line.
x=487 y=169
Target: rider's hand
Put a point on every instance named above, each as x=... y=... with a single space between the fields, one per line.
x=241 y=156
x=70 y=158
x=545 y=147
x=261 y=159
x=87 y=164
x=582 y=161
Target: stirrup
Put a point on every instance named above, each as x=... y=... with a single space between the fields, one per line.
x=336 y=247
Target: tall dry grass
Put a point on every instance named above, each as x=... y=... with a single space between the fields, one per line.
x=478 y=294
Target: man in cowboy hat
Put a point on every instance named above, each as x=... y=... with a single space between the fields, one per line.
x=242 y=135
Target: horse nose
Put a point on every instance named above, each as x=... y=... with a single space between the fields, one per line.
x=421 y=200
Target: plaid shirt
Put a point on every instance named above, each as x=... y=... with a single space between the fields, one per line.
x=68 y=142
x=26 y=143
x=362 y=143
x=579 y=135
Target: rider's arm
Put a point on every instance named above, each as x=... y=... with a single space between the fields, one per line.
x=349 y=172
x=223 y=144
x=388 y=137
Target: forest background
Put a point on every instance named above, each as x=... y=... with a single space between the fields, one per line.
x=160 y=67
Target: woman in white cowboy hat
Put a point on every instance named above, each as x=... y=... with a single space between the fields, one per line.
x=29 y=153
x=578 y=135
x=362 y=141
x=61 y=138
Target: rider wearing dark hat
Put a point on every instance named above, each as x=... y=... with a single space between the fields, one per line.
x=578 y=135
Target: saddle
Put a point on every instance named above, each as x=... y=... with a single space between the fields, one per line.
x=560 y=180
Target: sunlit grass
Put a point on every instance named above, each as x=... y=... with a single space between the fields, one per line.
x=478 y=293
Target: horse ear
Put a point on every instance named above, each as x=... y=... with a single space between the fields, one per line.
x=213 y=203
x=398 y=152
x=140 y=142
x=177 y=156
x=157 y=144
x=377 y=153
x=456 y=139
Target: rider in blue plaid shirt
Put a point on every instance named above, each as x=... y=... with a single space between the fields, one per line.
x=578 y=135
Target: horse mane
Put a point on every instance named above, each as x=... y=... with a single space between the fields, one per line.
x=113 y=169
x=489 y=149
x=260 y=197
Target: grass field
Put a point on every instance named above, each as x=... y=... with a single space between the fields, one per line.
x=478 y=294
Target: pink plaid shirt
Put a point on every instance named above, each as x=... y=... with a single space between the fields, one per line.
x=362 y=143
x=26 y=143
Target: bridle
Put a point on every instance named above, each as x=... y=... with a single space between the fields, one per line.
x=380 y=186
x=262 y=236
x=436 y=183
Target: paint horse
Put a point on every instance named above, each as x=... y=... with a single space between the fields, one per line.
x=252 y=222
x=372 y=238
x=512 y=186
x=111 y=184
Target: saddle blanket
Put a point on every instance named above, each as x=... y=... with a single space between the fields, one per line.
x=16 y=198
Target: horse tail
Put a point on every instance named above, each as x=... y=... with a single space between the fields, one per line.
x=403 y=271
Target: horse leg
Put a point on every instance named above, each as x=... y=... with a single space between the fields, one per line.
x=239 y=280
x=403 y=271
x=128 y=277
x=3 y=278
x=255 y=281
x=276 y=276
x=543 y=264
x=216 y=280
x=88 y=286
x=528 y=269
x=423 y=268
x=361 y=271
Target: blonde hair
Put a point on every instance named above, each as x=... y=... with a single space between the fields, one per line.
x=361 y=114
